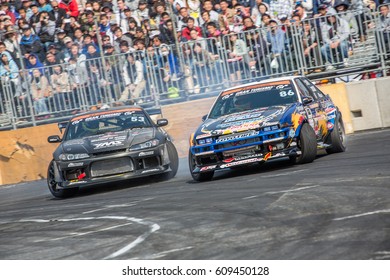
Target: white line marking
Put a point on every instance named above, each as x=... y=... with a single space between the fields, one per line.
x=152 y=228
x=283 y=174
x=164 y=253
x=362 y=215
x=294 y=190
x=250 y=197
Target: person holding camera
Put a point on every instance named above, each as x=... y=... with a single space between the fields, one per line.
x=45 y=29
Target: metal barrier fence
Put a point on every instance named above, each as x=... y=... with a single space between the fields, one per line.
x=197 y=68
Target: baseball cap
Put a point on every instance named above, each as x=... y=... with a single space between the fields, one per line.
x=67 y=40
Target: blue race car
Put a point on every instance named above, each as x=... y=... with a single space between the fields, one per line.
x=252 y=123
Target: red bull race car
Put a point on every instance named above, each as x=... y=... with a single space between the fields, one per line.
x=253 y=123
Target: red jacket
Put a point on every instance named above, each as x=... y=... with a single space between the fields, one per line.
x=71 y=7
x=186 y=32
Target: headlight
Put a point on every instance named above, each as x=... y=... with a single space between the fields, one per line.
x=145 y=145
x=66 y=157
x=205 y=141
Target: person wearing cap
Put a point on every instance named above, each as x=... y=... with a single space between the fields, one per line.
x=277 y=38
x=31 y=43
x=335 y=33
x=71 y=7
x=34 y=19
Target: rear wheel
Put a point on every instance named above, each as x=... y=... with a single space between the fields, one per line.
x=173 y=162
x=200 y=177
x=307 y=143
x=53 y=184
x=337 y=138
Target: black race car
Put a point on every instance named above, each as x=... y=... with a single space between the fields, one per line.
x=252 y=123
x=109 y=145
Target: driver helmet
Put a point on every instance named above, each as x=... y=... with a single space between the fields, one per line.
x=91 y=126
x=242 y=103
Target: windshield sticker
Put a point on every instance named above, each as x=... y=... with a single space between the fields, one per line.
x=256 y=86
x=129 y=111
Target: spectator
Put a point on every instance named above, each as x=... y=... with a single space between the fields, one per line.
x=26 y=4
x=133 y=74
x=310 y=43
x=44 y=6
x=238 y=58
x=57 y=13
x=183 y=18
x=22 y=16
x=262 y=9
x=191 y=26
x=277 y=39
x=212 y=14
x=226 y=17
x=78 y=74
x=342 y=9
x=143 y=11
x=5 y=8
x=58 y=53
x=167 y=33
x=207 y=19
x=300 y=11
x=384 y=29
x=62 y=91
x=40 y=91
x=280 y=7
x=202 y=62
x=170 y=68
x=35 y=17
x=194 y=8
x=30 y=43
x=124 y=23
x=11 y=45
x=335 y=33
x=119 y=37
x=71 y=7
x=45 y=29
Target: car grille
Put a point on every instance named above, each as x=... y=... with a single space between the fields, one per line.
x=111 y=167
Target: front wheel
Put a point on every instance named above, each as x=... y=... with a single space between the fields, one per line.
x=173 y=162
x=308 y=145
x=53 y=184
x=200 y=177
x=337 y=138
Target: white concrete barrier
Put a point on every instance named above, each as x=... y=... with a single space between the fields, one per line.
x=363 y=105
x=383 y=94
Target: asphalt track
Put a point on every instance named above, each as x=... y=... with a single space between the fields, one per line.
x=337 y=207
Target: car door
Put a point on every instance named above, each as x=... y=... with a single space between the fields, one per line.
x=313 y=108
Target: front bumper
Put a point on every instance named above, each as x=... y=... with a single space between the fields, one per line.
x=244 y=151
x=112 y=166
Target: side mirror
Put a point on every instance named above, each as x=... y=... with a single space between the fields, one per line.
x=204 y=118
x=307 y=100
x=162 y=122
x=54 y=139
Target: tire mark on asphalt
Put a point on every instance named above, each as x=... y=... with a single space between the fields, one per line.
x=152 y=228
x=363 y=215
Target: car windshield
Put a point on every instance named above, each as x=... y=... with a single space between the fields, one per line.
x=103 y=122
x=253 y=97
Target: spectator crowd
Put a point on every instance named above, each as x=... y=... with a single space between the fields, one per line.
x=87 y=51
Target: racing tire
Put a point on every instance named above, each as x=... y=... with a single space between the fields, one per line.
x=337 y=138
x=199 y=177
x=173 y=162
x=53 y=185
x=307 y=143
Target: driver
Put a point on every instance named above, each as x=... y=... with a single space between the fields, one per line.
x=90 y=127
x=242 y=103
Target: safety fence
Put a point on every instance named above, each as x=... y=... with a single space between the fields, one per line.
x=352 y=43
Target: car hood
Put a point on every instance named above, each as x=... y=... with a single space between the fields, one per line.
x=246 y=120
x=108 y=141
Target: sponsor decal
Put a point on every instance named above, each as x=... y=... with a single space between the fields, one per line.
x=238 y=158
x=75 y=164
x=246 y=161
x=148 y=153
x=235 y=136
x=108 y=144
x=206 y=168
x=203 y=136
x=105 y=114
x=330 y=125
x=267 y=156
x=256 y=86
x=76 y=181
